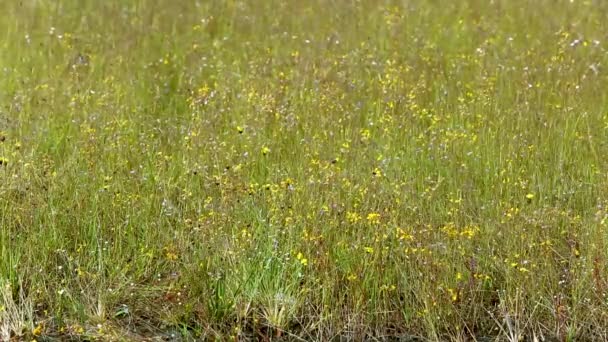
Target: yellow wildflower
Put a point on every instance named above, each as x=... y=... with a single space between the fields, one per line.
x=373 y=218
x=302 y=259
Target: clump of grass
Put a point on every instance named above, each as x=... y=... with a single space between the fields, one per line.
x=303 y=170
x=16 y=313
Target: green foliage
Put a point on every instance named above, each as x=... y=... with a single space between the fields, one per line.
x=303 y=169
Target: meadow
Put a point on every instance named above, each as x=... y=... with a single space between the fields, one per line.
x=416 y=170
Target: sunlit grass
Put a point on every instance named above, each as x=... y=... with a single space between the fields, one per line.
x=303 y=170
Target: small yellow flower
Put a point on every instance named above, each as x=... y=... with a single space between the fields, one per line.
x=369 y=250
x=353 y=217
x=302 y=259
x=37 y=330
x=373 y=218
x=453 y=295
x=265 y=150
x=171 y=256
x=365 y=134
x=530 y=196
x=377 y=172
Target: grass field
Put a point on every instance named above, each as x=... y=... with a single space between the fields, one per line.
x=304 y=170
